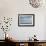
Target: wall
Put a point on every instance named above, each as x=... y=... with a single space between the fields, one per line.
x=11 y=8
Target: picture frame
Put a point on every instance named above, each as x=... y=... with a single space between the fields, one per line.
x=26 y=20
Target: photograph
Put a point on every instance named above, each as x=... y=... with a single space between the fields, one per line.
x=26 y=19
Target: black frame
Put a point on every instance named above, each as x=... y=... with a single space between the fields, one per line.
x=26 y=14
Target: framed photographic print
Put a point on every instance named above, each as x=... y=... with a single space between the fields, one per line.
x=26 y=19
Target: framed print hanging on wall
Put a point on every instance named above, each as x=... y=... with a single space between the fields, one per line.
x=26 y=19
